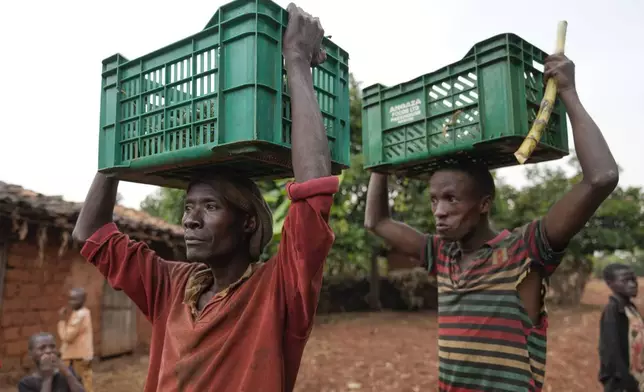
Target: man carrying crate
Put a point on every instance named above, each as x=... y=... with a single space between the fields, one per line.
x=491 y=317
x=226 y=322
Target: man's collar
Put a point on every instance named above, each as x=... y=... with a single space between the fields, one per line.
x=202 y=279
x=494 y=242
x=454 y=250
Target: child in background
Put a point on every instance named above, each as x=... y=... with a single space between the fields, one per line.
x=621 y=339
x=51 y=374
x=75 y=331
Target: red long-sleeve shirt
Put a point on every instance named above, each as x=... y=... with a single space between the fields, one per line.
x=250 y=339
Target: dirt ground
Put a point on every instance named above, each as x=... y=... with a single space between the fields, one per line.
x=397 y=352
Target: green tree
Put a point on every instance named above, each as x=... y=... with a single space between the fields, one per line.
x=617 y=224
x=165 y=203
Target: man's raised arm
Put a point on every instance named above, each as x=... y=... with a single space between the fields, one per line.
x=127 y=265
x=378 y=220
x=98 y=207
x=306 y=235
x=599 y=169
x=302 y=49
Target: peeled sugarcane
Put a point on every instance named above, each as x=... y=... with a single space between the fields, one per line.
x=547 y=105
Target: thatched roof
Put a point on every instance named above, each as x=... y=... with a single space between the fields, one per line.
x=24 y=207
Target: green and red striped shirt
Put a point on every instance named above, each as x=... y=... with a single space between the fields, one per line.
x=486 y=340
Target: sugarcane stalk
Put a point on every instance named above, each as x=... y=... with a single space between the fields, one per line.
x=547 y=105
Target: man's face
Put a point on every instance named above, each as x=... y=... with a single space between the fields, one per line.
x=75 y=299
x=625 y=283
x=456 y=204
x=213 y=228
x=42 y=345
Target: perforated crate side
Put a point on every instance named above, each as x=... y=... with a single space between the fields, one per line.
x=220 y=91
x=482 y=104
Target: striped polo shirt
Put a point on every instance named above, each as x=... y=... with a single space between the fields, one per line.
x=486 y=341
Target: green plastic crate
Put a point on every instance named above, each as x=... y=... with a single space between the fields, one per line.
x=482 y=106
x=215 y=100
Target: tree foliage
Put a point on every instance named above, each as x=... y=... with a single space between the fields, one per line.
x=165 y=203
x=617 y=224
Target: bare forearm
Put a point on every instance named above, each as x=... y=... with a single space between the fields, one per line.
x=378 y=219
x=98 y=207
x=70 y=334
x=377 y=201
x=310 y=146
x=600 y=176
x=597 y=163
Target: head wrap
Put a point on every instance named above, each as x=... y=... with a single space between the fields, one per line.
x=245 y=195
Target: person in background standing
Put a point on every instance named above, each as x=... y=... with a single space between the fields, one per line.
x=75 y=332
x=621 y=334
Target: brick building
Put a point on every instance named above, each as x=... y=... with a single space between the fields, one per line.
x=39 y=263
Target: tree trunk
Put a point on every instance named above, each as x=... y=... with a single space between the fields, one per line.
x=374 y=284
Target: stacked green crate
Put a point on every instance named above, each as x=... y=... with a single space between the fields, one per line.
x=481 y=106
x=215 y=100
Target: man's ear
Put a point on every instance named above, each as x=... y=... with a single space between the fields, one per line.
x=485 y=205
x=250 y=224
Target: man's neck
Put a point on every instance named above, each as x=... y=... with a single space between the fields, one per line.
x=228 y=274
x=479 y=237
x=622 y=299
